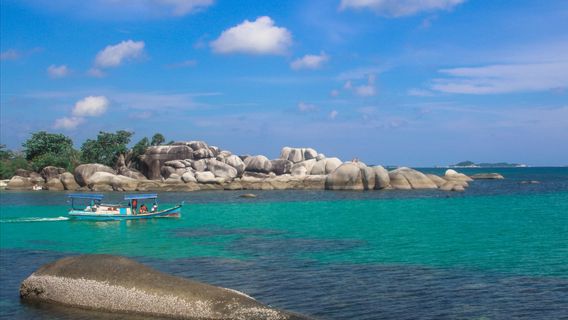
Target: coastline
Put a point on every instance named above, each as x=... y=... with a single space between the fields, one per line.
x=194 y=165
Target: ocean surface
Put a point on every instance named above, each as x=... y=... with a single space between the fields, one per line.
x=499 y=250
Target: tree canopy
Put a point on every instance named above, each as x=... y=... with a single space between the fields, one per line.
x=49 y=149
x=106 y=148
x=158 y=139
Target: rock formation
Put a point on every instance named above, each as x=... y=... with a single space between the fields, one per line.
x=194 y=165
x=120 y=285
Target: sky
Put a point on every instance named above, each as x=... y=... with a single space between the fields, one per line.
x=392 y=82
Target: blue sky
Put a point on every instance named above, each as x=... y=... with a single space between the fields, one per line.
x=408 y=82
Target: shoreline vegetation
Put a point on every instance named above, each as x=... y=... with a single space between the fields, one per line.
x=194 y=165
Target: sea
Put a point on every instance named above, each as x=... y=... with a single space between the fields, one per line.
x=499 y=250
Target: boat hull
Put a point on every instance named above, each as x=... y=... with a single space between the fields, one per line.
x=174 y=212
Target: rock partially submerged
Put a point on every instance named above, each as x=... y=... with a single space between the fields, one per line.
x=487 y=176
x=117 y=284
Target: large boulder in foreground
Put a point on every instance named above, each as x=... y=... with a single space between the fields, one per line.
x=117 y=284
x=84 y=172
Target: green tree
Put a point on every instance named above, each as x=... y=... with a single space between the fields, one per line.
x=107 y=148
x=158 y=139
x=50 y=149
x=10 y=162
x=138 y=150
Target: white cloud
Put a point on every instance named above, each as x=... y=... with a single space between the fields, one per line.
x=309 y=61
x=91 y=106
x=503 y=78
x=306 y=107
x=114 y=55
x=334 y=93
x=399 y=8
x=10 y=54
x=68 y=123
x=58 y=71
x=333 y=114
x=258 y=37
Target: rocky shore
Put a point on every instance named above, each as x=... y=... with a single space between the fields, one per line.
x=194 y=165
x=117 y=284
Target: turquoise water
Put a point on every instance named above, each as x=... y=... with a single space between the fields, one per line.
x=500 y=236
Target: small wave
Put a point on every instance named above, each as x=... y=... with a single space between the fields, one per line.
x=34 y=219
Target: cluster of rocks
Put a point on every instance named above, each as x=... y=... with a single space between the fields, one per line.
x=194 y=165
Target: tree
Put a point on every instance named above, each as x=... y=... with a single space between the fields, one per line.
x=50 y=149
x=138 y=150
x=158 y=139
x=10 y=162
x=107 y=148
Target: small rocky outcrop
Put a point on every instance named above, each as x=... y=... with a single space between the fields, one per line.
x=453 y=175
x=487 y=176
x=120 y=285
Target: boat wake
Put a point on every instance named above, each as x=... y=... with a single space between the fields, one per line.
x=34 y=219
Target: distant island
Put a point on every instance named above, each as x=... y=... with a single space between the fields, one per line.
x=471 y=164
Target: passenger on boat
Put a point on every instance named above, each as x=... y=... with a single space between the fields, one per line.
x=143 y=209
x=134 y=206
x=154 y=207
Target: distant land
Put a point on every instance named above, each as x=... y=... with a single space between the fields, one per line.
x=471 y=164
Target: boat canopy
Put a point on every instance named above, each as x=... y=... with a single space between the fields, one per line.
x=89 y=196
x=141 y=196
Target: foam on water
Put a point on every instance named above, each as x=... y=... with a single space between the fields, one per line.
x=34 y=219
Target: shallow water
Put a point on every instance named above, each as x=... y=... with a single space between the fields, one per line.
x=497 y=251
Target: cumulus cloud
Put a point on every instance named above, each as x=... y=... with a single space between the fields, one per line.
x=181 y=7
x=114 y=55
x=257 y=37
x=399 y=8
x=306 y=107
x=333 y=114
x=58 y=71
x=309 y=61
x=92 y=106
x=494 y=79
x=68 y=123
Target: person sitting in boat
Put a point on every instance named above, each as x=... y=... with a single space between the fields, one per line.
x=154 y=207
x=143 y=209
